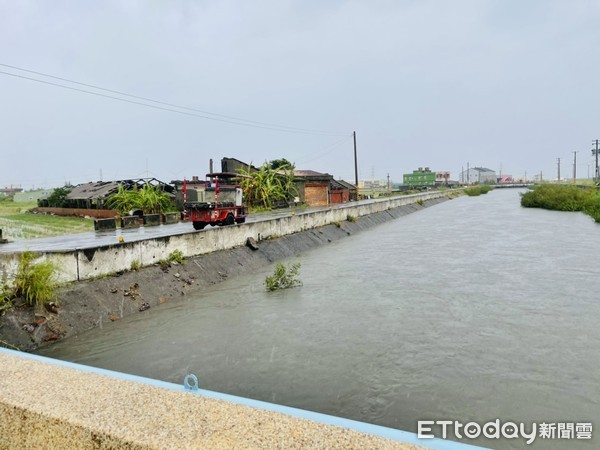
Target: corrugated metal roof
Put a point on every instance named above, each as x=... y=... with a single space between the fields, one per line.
x=342 y=184
x=102 y=189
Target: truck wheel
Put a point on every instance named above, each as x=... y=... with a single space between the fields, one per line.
x=229 y=220
x=240 y=220
x=199 y=225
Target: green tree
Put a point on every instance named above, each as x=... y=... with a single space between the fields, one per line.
x=276 y=164
x=58 y=198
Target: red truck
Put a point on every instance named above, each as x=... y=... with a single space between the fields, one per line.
x=219 y=202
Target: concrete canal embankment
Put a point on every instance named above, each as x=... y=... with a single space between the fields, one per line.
x=94 y=261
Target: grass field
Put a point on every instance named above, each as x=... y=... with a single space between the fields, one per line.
x=17 y=224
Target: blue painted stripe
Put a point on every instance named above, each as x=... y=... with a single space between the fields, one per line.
x=377 y=430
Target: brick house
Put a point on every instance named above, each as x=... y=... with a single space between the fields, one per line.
x=313 y=187
x=341 y=191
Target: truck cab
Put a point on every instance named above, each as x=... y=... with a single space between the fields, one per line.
x=220 y=202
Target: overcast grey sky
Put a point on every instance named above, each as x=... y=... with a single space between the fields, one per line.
x=505 y=83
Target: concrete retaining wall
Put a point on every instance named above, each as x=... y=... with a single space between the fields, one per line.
x=89 y=263
x=151 y=220
x=105 y=224
x=168 y=218
x=130 y=222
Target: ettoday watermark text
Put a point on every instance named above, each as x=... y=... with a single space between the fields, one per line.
x=445 y=429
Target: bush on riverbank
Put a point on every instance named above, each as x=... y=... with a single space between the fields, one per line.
x=36 y=283
x=477 y=190
x=559 y=197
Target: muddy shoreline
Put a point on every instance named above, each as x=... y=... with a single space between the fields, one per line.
x=92 y=303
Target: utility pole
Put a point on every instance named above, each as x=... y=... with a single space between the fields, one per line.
x=388 y=186
x=541 y=176
x=355 y=164
x=595 y=152
x=467 y=173
x=558 y=162
x=574 y=167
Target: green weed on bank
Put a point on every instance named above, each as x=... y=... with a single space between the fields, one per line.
x=35 y=282
x=558 y=197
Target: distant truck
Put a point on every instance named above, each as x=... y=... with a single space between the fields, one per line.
x=220 y=202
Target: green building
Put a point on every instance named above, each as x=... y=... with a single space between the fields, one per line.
x=419 y=177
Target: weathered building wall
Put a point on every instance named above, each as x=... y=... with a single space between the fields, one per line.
x=315 y=194
x=340 y=196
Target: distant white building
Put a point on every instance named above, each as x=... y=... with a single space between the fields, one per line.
x=32 y=196
x=478 y=175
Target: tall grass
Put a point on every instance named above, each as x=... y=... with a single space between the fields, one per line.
x=563 y=198
x=36 y=283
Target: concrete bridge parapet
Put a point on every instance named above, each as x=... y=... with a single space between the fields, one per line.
x=47 y=403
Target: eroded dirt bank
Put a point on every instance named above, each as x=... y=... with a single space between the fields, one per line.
x=89 y=304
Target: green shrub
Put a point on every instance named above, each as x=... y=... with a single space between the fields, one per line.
x=563 y=198
x=477 y=190
x=283 y=277
x=558 y=197
x=176 y=256
x=351 y=218
x=36 y=283
x=419 y=202
x=58 y=198
x=135 y=264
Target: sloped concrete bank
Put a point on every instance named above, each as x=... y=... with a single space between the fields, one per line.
x=97 y=302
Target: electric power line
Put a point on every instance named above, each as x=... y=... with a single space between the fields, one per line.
x=323 y=150
x=167 y=106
